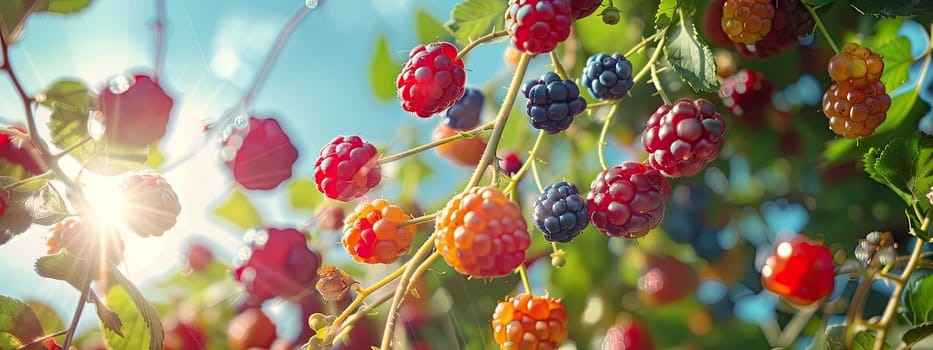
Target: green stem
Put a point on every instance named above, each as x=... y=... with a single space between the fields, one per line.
x=490 y=153
x=602 y=136
x=534 y=175
x=524 y=169
x=402 y=289
x=822 y=28
x=463 y=135
x=558 y=68
x=85 y=289
x=642 y=44
x=657 y=85
x=71 y=148
x=525 y=282
x=478 y=41
x=43 y=338
x=28 y=180
x=418 y=220
x=899 y=286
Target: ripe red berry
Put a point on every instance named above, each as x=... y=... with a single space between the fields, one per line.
x=347 y=168
x=666 y=280
x=77 y=238
x=799 y=270
x=135 y=113
x=747 y=21
x=260 y=154
x=432 y=79
x=510 y=163
x=746 y=94
x=183 y=336
x=791 y=22
x=855 y=65
x=583 y=8
x=855 y=112
x=681 y=138
x=524 y=322
x=21 y=157
x=371 y=233
x=199 y=257
x=627 y=200
x=628 y=336
x=251 y=329
x=466 y=151
x=279 y=263
x=481 y=233
x=536 y=26
x=152 y=207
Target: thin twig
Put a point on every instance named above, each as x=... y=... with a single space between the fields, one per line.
x=478 y=41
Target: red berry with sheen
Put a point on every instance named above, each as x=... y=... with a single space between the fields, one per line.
x=683 y=137
x=627 y=200
x=583 y=8
x=347 y=168
x=136 y=115
x=628 y=336
x=510 y=163
x=260 y=155
x=432 y=80
x=279 y=264
x=537 y=26
x=482 y=233
x=800 y=271
x=152 y=205
x=524 y=322
x=371 y=233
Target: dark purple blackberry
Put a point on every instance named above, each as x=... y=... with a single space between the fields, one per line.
x=465 y=113
x=560 y=212
x=607 y=77
x=552 y=102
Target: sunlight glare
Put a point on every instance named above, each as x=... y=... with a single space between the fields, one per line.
x=107 y=203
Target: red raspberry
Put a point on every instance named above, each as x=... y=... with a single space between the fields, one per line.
x=260 y=155
x=347 y=168
x=524 y=322
x=432 y=79
x=855 y=112
x=466 y=152
x=152 y=206
x=791 y=22
x=747 y=21
x=77 y=238
x=279 y=263
x=666 y=280
x=628 y=336
x=183 y=336
x=536 y=26
x=746 y=94
x=583 y=8
x=855 y=65
x=199 y=257
x=251 y=329
x=627 y=200
x=510 y=163
x=799 y=270
x=135 y=115
x=482 y=233
x=371 y=233
x=683 y=137
x=17 y=150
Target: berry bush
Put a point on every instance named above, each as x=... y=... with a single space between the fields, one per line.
x=773 y=190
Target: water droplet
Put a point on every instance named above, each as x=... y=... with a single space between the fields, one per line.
x=244 y=253
x=227 y=153
x=121 y=83
x=311 y=4
x=262 y=237
x=241 y=121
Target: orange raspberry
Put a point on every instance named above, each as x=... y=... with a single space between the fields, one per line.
x=525 y=322
x=747 y=21
x=482 y=233
x=77 y=238
x=855 y=112
x=371 y=233
x=855 y=65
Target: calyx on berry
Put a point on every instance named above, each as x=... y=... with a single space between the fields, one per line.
x=135 y=113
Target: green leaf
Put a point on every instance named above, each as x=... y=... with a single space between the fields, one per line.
x=668 y=8
x=691 y=57
x=64 y=6
x=430 y=29
x=817 y=3
x=303 y=194
x=891 y=8
x=383 y=71
x=61 y=266
x=18 y=320
x=472 y=19
x=897 y=61
x=50 y=320
x=239 y=210
x=906 y=166
x=17 y=219
x=9 y=341
x=916 y=334
x=865 y=341
x=919 y=301
x=139 y=332
x=46 y=206
x=13 y=16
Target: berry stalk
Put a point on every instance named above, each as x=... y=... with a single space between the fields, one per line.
x=819 y=24
x=524 y=274
x=899 y=285
x=158 y=28
x=524 y=169
x=462 y=135
x=418 y=220
x=558 y=68
x=402 y=289
x=483 y=39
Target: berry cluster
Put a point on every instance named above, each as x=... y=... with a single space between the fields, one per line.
x=877 y=249
x=746 y=94
x=524 y=322
x=789 y=26
x=747 y=21
x=627 y=200
x=259 y=153
x=607 y=77
x=536 y=26
x=560 y=213
x=279 y=263
x=857 y=103
x=371 y=233
x=481 y=233
x=552 y=102
x=432 y=79
x=799 y=271
x=683 y=137
x=347 y=168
